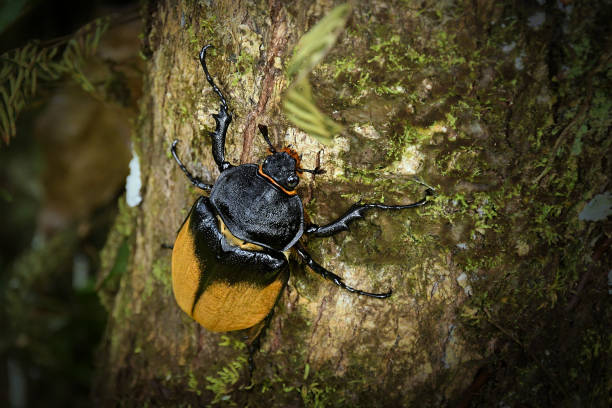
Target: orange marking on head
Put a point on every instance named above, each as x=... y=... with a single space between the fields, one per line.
x=293 y=154
x=297 y=158
x=271 y=180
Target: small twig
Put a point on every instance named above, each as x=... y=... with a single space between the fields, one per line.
x=278 y=44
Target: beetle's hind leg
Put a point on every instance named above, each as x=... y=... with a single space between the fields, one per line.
x=253 y=341
x=222 y=119
x=355 y=212
x=254 y=334
x=194 y=180
x=332 y=276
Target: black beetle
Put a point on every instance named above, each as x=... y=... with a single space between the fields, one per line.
x=230 y=258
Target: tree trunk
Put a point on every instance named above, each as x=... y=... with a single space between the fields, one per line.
x=484 y=100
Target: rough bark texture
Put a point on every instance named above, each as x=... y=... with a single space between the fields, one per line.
x=504 y=107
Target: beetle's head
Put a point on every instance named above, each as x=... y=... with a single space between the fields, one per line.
x=282 y=167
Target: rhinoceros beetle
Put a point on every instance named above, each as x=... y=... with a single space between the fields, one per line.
x=230 y=258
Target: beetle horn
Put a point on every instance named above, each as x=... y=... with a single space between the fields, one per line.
x=264 y=132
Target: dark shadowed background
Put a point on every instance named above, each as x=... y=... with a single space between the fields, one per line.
x=60 y=179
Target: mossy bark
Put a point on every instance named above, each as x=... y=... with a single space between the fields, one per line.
x=503 y=107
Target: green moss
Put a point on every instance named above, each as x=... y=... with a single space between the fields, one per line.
x=411 y=136
x=115 y=256
x=245 y=64
x=344 y=65
x=192 y=384
x=319 y=395
x=227 y=341
x=160 y=272
x=208 y=23
x=223 y=383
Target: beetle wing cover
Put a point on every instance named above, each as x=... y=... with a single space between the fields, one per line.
x=220 y=285
x=186 y=269
x=224 y=307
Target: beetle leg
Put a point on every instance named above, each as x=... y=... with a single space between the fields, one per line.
x=222 y=119
x=194 y=180
x=253 y=340
x=251 y=349
x=332 y=276
x=355 y=212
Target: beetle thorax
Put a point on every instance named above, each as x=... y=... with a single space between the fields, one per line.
x=256 y=210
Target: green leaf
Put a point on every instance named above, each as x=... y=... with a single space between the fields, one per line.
x=302 y=112
x=298 y=102
x=317 y=42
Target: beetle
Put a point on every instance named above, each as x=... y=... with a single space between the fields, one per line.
x=230 y=257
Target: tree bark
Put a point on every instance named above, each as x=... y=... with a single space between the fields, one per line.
x=470 y=97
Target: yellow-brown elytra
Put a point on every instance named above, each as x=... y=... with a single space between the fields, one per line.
x=230 y=258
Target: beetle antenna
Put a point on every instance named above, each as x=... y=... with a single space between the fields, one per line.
x=209 y=78
x=264 y=132
x=316 y=170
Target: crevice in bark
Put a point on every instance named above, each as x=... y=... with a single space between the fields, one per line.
x=278 y=43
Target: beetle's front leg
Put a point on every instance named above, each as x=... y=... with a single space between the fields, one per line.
x=355 y=212
x=222 y=119
x=194 y=179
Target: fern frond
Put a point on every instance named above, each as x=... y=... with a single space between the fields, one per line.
x=23 y=69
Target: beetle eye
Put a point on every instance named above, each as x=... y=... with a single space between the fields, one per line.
x=292 y=181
